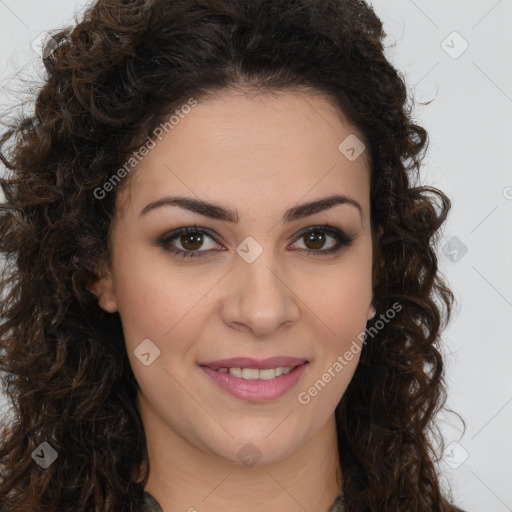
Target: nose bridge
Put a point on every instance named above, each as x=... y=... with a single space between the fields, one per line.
x=259 y=297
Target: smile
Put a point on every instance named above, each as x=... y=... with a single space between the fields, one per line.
x=254 y=373
x=256 y=385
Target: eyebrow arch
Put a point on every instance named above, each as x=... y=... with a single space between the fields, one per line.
x=223 y=213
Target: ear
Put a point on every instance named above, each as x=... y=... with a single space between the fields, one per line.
x=371 y=312
x=103 y=288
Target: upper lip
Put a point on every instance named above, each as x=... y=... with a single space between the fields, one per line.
x=259 y=364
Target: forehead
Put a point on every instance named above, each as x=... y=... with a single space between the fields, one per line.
x=233 y=143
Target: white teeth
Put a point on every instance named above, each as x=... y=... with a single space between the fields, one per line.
x=267 y=374
x=253 y=373
x=250 y=373
x=236 y=372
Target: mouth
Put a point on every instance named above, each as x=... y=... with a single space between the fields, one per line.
x=254 y=373
x=256 y=381
x=259 y=364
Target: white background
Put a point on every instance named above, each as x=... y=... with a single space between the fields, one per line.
x=470 y=130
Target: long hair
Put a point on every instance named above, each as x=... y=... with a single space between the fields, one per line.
x=111 y=79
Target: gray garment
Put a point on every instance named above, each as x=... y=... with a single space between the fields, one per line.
x=151 y=505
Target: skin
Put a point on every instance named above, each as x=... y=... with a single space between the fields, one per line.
x=259 y=155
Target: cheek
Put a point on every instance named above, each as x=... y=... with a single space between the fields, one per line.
x=155 y=299
x=163 y=306
x=339 y=298
x=339 y=316
x=339 y=307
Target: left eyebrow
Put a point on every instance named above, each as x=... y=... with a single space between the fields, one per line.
x=224 y=213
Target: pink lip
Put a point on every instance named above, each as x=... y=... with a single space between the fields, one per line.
x=256 y=390
x=248 y=362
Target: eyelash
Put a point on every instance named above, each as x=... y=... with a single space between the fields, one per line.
x=343 y=240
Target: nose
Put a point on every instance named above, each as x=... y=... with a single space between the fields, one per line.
x=259 y=299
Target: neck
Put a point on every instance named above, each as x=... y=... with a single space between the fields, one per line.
x=184 y=478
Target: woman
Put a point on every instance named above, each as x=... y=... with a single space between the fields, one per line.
x=221 y=286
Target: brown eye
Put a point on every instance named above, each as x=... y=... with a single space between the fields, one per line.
x=191 y=242
x=315 y=238
x=187 y=242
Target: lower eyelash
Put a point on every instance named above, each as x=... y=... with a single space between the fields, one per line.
x=343 y=240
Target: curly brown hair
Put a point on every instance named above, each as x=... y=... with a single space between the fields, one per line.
x=111 y=80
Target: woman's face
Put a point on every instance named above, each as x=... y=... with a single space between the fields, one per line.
x=251 y=280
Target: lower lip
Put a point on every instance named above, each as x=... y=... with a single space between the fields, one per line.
x=256 y=390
